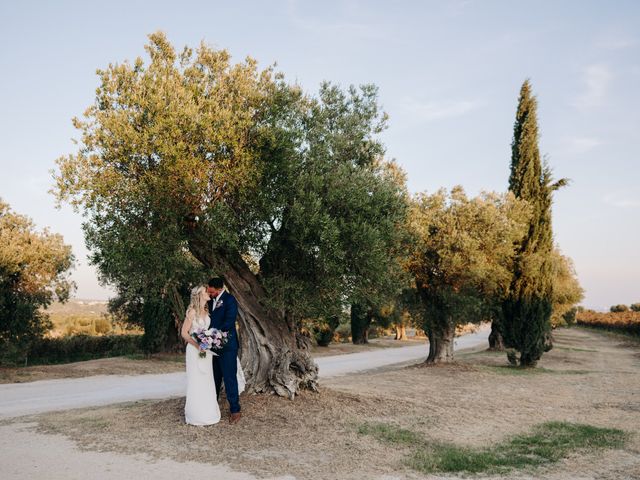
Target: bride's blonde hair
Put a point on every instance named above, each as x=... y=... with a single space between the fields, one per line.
x=197 y=303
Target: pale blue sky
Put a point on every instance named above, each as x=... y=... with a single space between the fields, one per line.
x=448 y=71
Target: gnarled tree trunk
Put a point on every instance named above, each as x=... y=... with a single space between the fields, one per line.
x=496 y=342
x=401 y=332
x=360 y=321
x=441 y=344
x=174 y=339
x=269 y=347
x=548 y=341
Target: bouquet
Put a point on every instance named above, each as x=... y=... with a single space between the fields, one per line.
x=210 y=339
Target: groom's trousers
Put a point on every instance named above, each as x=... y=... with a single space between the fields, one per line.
x=225 y=367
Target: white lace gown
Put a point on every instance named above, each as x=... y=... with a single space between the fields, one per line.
x=201 y=407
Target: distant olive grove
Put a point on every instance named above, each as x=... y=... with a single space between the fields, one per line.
x=190 y=165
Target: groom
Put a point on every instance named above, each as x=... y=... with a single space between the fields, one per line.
x=223 y=310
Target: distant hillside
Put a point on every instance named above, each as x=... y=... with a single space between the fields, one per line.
x=79 y=308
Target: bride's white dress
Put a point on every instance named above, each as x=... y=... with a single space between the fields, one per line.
x=201 y=407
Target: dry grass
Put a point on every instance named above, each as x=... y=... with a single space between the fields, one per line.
x=272 y=437
x=467 y=404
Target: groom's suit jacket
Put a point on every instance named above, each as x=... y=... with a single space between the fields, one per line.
x=223 y=317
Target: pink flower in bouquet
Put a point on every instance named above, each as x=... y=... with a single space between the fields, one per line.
x=211 y=339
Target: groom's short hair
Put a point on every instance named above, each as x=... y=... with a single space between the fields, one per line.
x=216 y=282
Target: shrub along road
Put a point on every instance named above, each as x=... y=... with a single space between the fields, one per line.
x=52 y=395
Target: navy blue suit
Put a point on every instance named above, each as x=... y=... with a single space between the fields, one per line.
x=225 y=365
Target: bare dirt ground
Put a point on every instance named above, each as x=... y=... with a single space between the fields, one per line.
x=588 y=378
x=164 y=363
x=103 y=366
x=374 y=344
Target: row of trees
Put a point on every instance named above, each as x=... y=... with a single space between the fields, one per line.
x=191 y=165
x=634 y=307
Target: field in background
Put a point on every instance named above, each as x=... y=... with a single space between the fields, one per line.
x=85 y=317
x=624 y=322
x=82 y=330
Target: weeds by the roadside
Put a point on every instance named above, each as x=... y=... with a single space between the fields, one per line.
x=512 y=370
x=482 y=353
x=546 y=443
x=391 y=434
x=574 y=349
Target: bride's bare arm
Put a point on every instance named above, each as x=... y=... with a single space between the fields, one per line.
x=186 y=327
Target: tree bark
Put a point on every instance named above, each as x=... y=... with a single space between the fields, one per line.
x=496 y=342
x=441 y=344
x=530 y=358
x=269 y=348
x=360 y=321
x=401 y=332
x=528 y=361
x=548 y=341
x=174 y=341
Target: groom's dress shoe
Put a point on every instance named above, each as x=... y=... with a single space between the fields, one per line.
x=235 y=418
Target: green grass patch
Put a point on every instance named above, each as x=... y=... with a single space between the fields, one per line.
x=546 y=443
x=573 y=349
x=482 y=353
x=511 y=370
x=391 y=434
x=450 y=458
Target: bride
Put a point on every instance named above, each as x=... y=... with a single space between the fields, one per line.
x=201 y=407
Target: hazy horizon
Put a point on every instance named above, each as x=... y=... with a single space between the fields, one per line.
x=448 y=73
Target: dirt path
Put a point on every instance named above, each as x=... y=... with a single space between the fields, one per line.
x=51 y=395
x=43 y=460
x=167 y=363
x=587 y=378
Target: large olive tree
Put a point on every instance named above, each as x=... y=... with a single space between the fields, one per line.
x=461 y=258
x=567 y=292
x=189 y=165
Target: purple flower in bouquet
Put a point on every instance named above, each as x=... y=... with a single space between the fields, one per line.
x=211 y=339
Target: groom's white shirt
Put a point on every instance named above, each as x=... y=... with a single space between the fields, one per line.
x=215 y=302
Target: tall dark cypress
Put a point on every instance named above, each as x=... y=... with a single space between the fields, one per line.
x=526 y=311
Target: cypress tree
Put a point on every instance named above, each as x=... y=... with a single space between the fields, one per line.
x=526 y=310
